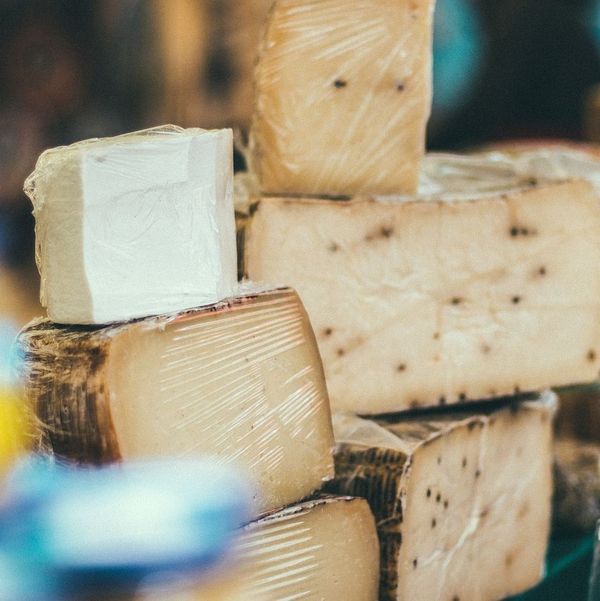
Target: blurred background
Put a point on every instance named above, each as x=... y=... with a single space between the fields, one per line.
x=73 y=69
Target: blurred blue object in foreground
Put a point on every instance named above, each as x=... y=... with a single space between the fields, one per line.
x=104 y=530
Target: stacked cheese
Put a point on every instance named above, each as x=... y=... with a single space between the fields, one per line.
x=153 y=350
x=430 y=282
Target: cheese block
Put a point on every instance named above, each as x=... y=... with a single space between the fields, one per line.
x=343 y=94
x=454 y=496
x=240 y=380
x=323 y=549
x=135 y=225
x=14 y=428
x=576 y=485
x=441 y=298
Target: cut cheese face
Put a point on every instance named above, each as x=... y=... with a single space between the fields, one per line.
x=436 y=300
x=324 y=549
x=135 y=225
x=454 y=495
x=241 y=381
x=343 y=94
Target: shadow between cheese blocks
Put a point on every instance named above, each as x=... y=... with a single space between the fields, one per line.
x=462 y=501
x=443 y=297
x=241 y=381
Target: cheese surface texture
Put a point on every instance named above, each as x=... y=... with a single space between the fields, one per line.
x=343 y=94
x=455 y=495
x=325 y=549
x=437 y=300
x=241 y=381
x=136 y=225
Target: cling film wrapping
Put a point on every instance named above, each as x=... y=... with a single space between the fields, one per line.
x=343 y=94
x=135 y=225
x=240 y=380
x=454 y=489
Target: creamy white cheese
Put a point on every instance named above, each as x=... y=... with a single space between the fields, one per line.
x=135 y=225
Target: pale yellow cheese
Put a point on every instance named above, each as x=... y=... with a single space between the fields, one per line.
x=320 y=550
x=343 y=93
x=241 y=381
x=462 y=501
x=440 y=299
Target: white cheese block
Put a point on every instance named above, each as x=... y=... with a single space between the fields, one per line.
x=135 y=225
x=241 y=381
x=343 y=94
x=325 y=549
x=462 y=502
x=441 y=299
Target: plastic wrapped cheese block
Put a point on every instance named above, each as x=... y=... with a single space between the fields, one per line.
x=136 y=225
x=446 y=296
x=240 y=380
x=462 y=501
x=343 y=94
x=323 y=549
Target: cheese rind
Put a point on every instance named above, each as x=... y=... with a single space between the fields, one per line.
x=343 y=94
x=241 y=381
x=322 y=549
x=428 y=300
x=135 y=225
x=454 y=494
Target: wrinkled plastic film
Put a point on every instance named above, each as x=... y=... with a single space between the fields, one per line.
x=135 y=225
x=240 y=381
x=352 y=118
x=462 y=176
x=454 y=481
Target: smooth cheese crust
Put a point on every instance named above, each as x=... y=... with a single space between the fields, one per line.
x=428 y=301
x=241 y=381
x=455 y=495
x=323 y=549
x=135 y=225
x=343 y=94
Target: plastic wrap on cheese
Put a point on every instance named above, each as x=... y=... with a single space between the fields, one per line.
x=485 y=284
x=136 y=225
x=343 y=94
x=454 y=493
x=240 y=380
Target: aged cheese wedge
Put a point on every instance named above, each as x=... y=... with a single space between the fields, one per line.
x=135 y=225
x=441 y=298
x=240 y=380
x=462 y=502
x=323 y=549
x=343 y=94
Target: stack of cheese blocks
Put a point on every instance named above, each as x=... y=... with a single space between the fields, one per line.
x=447 y=294
x=152 y=349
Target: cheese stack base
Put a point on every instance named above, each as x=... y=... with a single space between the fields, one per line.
x=241 y=381
x=462 y=501
x=324 y=549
